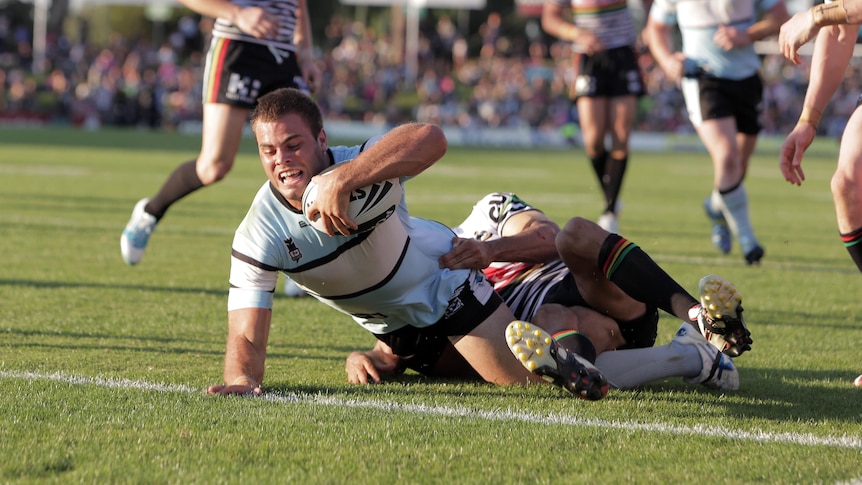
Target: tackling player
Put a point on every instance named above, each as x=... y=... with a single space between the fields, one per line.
x=600 y=284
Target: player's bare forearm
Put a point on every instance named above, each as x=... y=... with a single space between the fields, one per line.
x=527 y=237
x=555 y=23
x=534 y=244
x=405 y=151
x=245 y=354
x=658 y=39
x=833 y=50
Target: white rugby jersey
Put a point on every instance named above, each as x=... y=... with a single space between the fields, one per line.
x=385 y=278
x=523 y=286
x=609 y=20
x=285 y=10
x=698 y=21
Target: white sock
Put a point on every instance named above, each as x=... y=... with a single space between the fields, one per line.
x=625 y=369
x=734 y=206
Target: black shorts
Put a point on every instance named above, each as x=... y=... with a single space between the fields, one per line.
x=709 y=98
x=610 y=73
x=471 y=304
x=238 y=73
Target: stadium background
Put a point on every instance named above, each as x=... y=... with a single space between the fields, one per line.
x=121 y=64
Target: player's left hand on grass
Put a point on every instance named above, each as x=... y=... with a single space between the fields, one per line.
x=235 y=390
x=362 y=367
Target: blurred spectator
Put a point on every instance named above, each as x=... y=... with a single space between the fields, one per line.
x=502 y=81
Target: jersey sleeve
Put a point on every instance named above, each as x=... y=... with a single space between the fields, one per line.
x=664 y=12
x=490 y=215
x=252 y=281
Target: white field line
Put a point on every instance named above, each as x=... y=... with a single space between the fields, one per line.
x=806 y=439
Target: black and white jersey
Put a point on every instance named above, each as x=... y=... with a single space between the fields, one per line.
x=285 y=10
x=524 y=286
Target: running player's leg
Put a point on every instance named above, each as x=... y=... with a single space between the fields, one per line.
x=222 y=134
x=622 y=111
x=729 y=195
x=594 y=116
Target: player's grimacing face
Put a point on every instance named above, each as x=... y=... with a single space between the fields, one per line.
x=290 y=154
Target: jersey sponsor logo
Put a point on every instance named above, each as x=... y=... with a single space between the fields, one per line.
x=502 y=205
x=243 y=88
x=293 y=249
x=585 y=85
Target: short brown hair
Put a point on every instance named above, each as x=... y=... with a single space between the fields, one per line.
x=274 y=105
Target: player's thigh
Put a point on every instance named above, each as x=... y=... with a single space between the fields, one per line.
x=846 y=182
x=222 y=133
x=579 y=243
x=850 y=153
x=486 y=350
x=719 y=139
x=603 y=331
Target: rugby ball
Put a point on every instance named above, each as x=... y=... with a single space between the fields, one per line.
x=369 y=205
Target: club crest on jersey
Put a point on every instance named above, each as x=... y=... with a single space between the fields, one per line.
x=455 y=303
x=293 y=249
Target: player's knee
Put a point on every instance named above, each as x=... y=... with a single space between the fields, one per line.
x=211 y=172
x=574 y=235
x=841 y=184
x=553 y=317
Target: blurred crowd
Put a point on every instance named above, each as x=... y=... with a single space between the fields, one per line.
x=490 y=80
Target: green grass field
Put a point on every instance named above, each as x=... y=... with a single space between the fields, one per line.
x=102 y=366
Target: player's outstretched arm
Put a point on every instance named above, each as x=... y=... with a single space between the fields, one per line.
x=832 y=52
x=248 y=332
x=805 y=25
x=527 y=237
